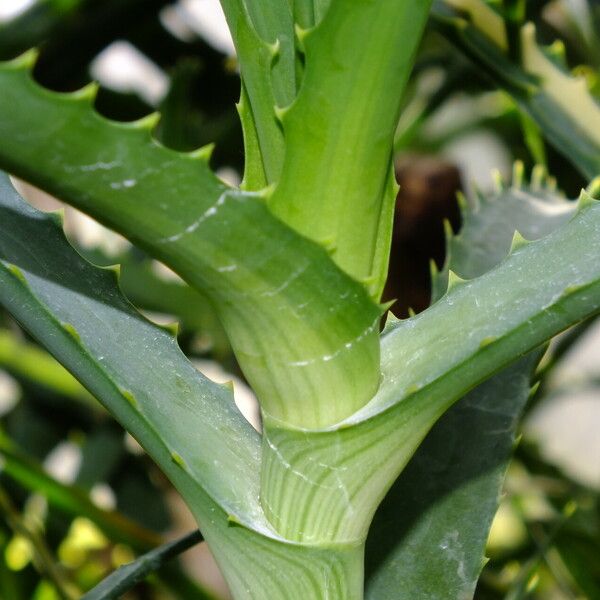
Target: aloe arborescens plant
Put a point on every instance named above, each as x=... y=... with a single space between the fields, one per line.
x=294 y=263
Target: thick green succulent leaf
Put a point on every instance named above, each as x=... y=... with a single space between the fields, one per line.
x=443 y=503
x=149 y=291
x=336 y=186
x=263 y=34
x=271 y=287
x=127 y=576
x=477 y=328
x=561 y=104
x=490 y=220
x=189 y=425
x=447 y=496
x=134 y=367
x=273 y=23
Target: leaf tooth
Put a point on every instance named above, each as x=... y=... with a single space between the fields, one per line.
x=573 y=289
x=202 y=154
x=23 y=62
x=411 y=312
x=534 y=389
x=16 y=272
x=412 y=389
x=385 y=306
x=70 y=329
x=178 y=460
x=454 y=280
x=114 y=271
x=586 y=200
x=301 y=35
x=234 y=521
x=538 y=177
x=448 y=234
x=593 y=188
x=147 y=123
x=280 y=112
x=171 y=328
x=265 y=193
x=274 y=49
x=86 y=94
x=130 y=398
x=518 y=241
x=463 y=204
x=433 y=269
x=518 y=174
x=498 y=181
x=487 y=341
x=57 y=216
x=391 y=321
x=228 y=385
x=558 y=52
x=330 y=246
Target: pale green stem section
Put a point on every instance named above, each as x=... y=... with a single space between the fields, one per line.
x=324 y=486
x=335 y=185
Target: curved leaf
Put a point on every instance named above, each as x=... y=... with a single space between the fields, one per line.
x=561 y=104
x=448 y=494
x=189 y=425
x=270 y=286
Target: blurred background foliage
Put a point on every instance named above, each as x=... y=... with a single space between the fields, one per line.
x=78 y=497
